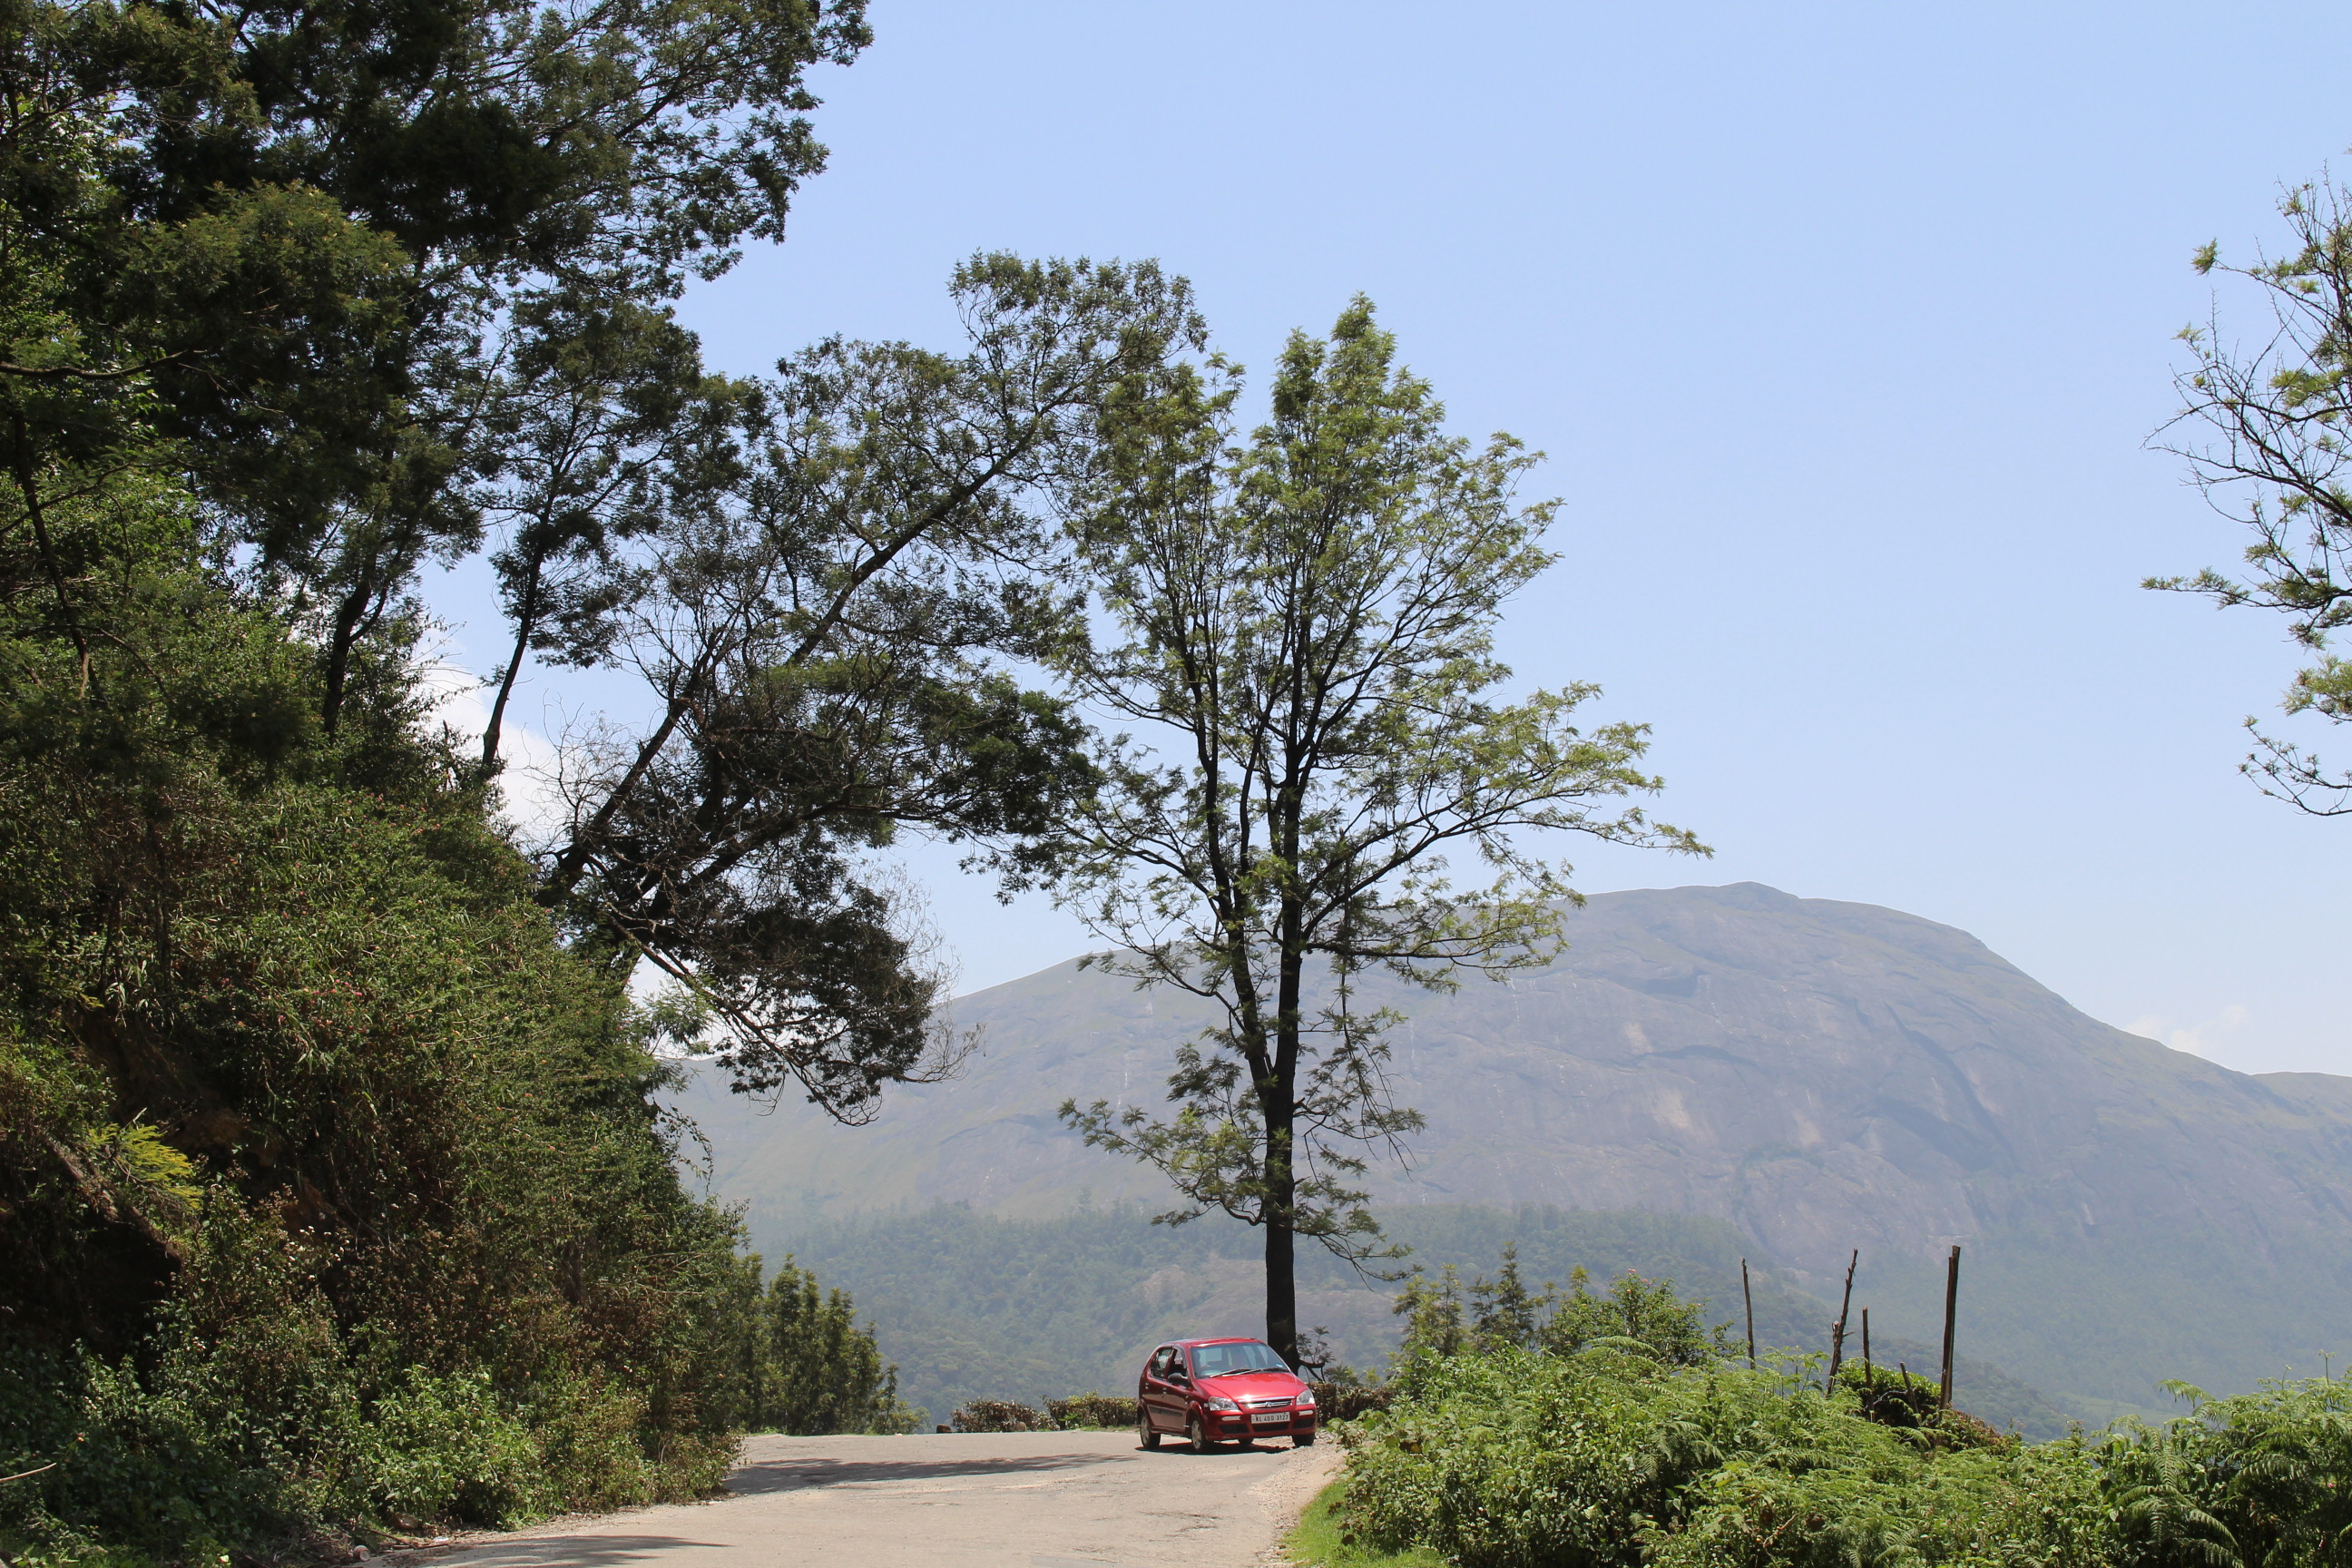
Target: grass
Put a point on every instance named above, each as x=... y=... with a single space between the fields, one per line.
x=1321 y=1540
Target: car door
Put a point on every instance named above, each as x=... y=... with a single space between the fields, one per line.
x=1163 y=1401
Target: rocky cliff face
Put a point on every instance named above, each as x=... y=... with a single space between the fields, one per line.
x=1824 y=1075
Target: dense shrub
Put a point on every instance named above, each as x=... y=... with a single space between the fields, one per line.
x=1000 y=1416
x=1079 y=1413
x=813 y=1370
x=1443 y=1318
x=1345 y=1401
x=1611 y=1458
x=1092 y=1411
x=333 y=1193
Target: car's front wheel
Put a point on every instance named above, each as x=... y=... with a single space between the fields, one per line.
x=1145 y=1432
x=1303 y=1440
x=1196 y=1437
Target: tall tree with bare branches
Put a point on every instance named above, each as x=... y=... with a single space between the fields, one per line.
x=1301 y=631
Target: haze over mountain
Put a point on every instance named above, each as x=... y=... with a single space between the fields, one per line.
x=1823 y=1076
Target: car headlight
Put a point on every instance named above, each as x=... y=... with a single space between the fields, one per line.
x=1223 y=1405
x=1307 y=1399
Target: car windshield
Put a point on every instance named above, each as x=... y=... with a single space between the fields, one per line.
x=1232 y=1361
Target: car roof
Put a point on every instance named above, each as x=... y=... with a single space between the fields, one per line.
x=1220 y=1339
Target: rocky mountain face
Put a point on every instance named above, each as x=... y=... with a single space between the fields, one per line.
x=1823 y=1076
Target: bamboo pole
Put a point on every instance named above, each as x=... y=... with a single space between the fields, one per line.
x=1837 y=1329
x=1951 y=1305
x=1749 y=1296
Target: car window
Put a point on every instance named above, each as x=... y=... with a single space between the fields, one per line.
x=1228 y=1360
x=1160 y=1360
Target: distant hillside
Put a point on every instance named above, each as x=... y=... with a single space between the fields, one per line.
x=975 y=1306
x=1817 y=1075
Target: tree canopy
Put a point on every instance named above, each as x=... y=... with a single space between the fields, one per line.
x=335 y=1191
x=375 y=287
x=2264 y=430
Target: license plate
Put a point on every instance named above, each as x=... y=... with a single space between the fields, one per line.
x=1271 y=1419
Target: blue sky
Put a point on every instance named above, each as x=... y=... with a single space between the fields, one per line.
x=1844 y=328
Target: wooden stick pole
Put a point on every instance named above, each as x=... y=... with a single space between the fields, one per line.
x=1837 y=1329
x=1866 y=1344
x=1951 y=1306
x=1749 y=1296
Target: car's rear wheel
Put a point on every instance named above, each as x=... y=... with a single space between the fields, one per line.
x=1145 y=1432
x=1195 y=1438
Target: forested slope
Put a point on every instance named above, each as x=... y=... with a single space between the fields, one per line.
x=976 y=1306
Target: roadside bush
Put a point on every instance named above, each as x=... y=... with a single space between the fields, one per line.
x=449 y=1448
x=1000 y=1416
x=1103 y=1411
x=1345 y=1402
x=1610 y=1458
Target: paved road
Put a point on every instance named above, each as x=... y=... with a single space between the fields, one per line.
x=1026 y=1499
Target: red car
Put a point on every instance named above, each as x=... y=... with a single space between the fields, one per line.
x=1213 y=1390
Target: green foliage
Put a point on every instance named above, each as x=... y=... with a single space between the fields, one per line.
x=1646 y=1312
x=1077 y=1412
x=333 y=1193
x=1607 y=1455
x=1633 y=1313
x=814 y=1370
x=372 y=288
x=331 y=1190
x=821 y=586
x=1323 y=1539
x=1098 y=1412
x=2262 y=1479
x=1505 y=1457
x=2266 y=439
x=1435 y=1321
x=451 y=1450
x=1000 y=1415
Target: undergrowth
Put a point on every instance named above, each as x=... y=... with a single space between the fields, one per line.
x=1323 y=1539
x=1607 y=1457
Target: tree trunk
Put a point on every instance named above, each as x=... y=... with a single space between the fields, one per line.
x=1281 y=1247
x=30 y=486
x=1278 y=1103
x=526 y=622
x=349 y=617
